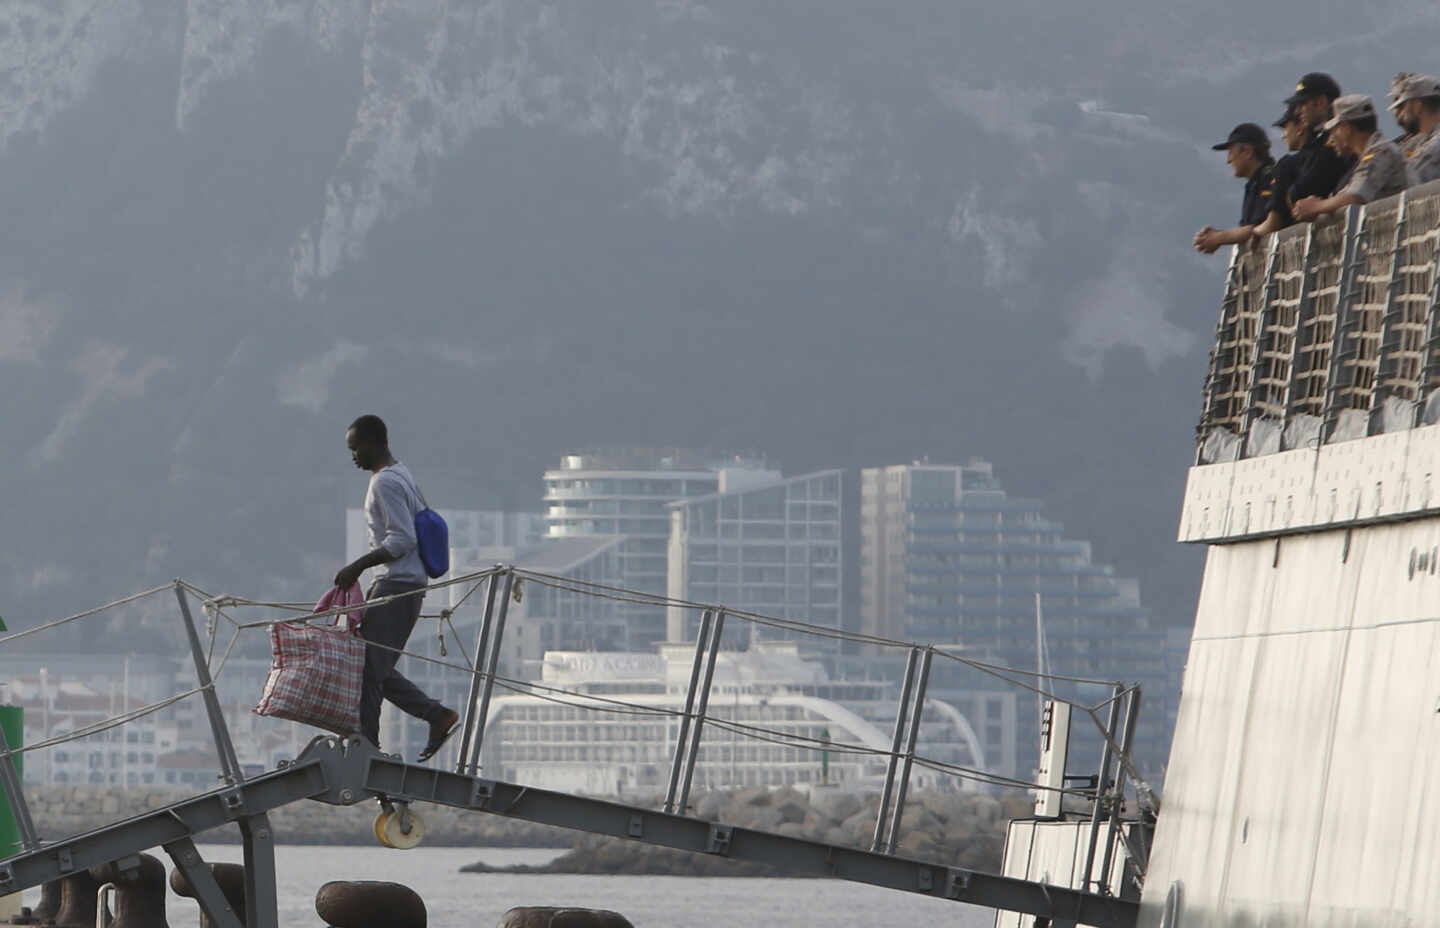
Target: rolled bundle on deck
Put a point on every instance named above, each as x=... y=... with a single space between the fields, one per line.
x=367 y=904
x=545 y=916
x=231 y=878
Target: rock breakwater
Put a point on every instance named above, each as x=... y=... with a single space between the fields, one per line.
x=61 y=811
x=965 y=830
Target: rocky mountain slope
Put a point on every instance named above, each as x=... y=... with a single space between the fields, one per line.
x=847 y=233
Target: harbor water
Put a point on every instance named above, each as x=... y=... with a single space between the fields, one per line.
x=476 y=900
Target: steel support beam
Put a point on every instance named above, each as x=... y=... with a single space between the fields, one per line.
x=717 y=629
x=492 y=661
x=917 y=710
x=793 y=855
x=229 y=763
x=702 y=641
x=345 y=771
x=878 y=842
x=1127 y=743
x=207 y=891
x=262 y=903
x=1102 y=783
x=481 y=646
x=305 y=779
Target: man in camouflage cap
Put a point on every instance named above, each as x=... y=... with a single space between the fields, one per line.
x=1381 y=170
x=1407 y=137
x=1418 y=104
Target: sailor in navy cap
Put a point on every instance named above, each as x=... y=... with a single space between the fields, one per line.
x=1381 y=170
x=1320 y=168
x=1282 y=174
x=1247 y=151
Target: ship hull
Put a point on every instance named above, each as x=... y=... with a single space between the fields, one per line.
x=1304 y=779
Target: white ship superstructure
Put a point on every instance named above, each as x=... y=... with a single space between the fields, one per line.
x=1302 y=781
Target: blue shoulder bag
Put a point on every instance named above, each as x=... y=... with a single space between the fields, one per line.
x=432 y=537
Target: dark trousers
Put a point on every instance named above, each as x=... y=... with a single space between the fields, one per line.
x=390 y=625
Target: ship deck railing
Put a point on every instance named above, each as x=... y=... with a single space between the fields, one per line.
x=1328 y=332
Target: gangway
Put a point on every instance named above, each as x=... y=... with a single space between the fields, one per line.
x=348 y=770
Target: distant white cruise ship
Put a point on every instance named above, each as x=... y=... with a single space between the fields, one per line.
x=561 y=742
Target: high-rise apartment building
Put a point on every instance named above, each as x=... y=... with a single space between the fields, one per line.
x=948 y=557
x=772 y=548
x=625 y=493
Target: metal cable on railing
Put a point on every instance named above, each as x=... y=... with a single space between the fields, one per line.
x=593 y=702
x=104 y=724
x=585 y=702
x=612 y=706
x=584 y=587
x=47 y=626
x=502 y=584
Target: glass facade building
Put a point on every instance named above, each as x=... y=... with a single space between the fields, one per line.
x=624 y=493
x=948 y=557
x=774 y=549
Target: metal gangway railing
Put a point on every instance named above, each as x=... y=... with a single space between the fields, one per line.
x=345 y=770
x=1327 y=332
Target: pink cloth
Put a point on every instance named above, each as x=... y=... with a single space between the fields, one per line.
x=336 y=598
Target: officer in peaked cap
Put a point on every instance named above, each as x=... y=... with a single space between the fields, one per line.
x=1311 y=86
x=1320 y=168
x=1248 y=154
x=1282 y=174
x=1380 y=171
x=1417 y=107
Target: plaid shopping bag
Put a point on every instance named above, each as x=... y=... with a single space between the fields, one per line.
x=315 y=670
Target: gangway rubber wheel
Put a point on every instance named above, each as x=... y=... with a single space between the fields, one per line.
x=397 y=826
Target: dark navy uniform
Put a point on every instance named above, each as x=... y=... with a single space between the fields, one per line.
x=1320 y=169
x=1259 y=189
x=1282 y=179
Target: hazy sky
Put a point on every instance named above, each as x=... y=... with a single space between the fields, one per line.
x=841 y=233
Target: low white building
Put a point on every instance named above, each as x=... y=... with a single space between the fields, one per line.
x=575 y=741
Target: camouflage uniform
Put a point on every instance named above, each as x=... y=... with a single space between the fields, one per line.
x=1426 y=158
x=1422 y=150
x=1382 y=171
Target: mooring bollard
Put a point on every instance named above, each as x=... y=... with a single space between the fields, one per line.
x=45 y=912
x=366 y=904
x=139 y=891
x=549 y=916
x=231 y=878
x=77 y=901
